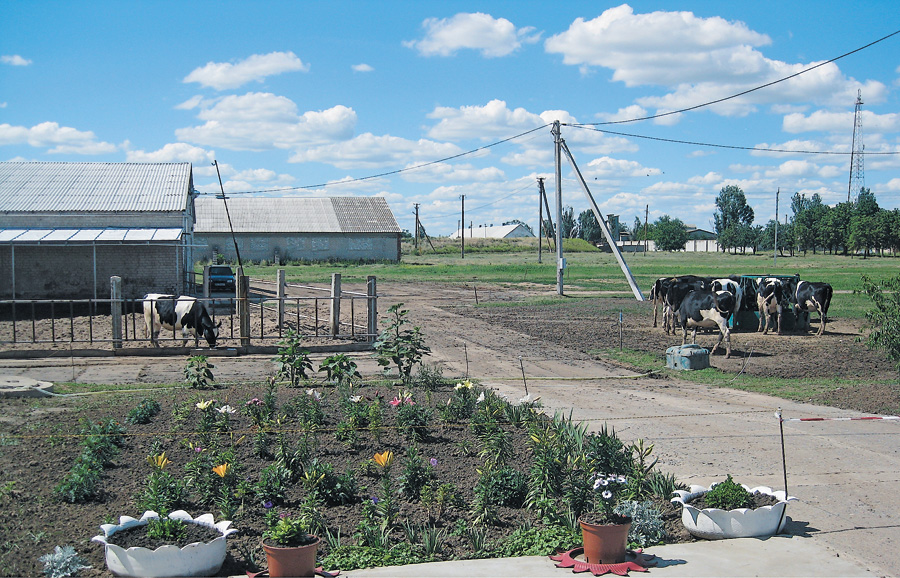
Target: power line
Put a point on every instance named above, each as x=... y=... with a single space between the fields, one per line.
x=760 y=87
x=721 y=146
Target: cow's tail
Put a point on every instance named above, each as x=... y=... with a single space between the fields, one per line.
x=827 y=303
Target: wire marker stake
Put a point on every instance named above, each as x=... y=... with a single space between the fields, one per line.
x=522 y=365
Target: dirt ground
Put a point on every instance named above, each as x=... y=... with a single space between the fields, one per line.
x=846 y=474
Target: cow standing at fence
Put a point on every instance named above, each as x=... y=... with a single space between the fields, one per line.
x=810 y=297
x=733 y=287
x=184 y=313
x=771 y=298
x=677 y=290
x=707 y=309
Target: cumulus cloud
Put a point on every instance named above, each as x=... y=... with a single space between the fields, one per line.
x=14 y=60
x=607 y=167
x=225 y=75
x=701 y=59
x=445 y=172
x=362 y=67
x=493 y=37
x=368 y=151
x=171 y=153
x=840 y=122
x=264 y=121
x=491 y=121
x=62 y=139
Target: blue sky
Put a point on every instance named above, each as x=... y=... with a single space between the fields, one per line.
x=291 y=96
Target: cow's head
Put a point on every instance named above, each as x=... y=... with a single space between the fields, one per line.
x=211 y=333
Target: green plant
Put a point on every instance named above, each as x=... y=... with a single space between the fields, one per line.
x=81 y=482
x=198 y=373
x=478 y=539
x=163 y=492
x=412 y=421
x=437 y=499
x=293 y=361
x=728 y=495
x=402 y=347
x=539 y=541
x=289 y=531
x=607 y=493
x=505 y=487
x=144 y=412
x=332 y=489
x=662 y=485
x=339 y=368
x=62 y=562
x=415 y=474
x=461 y=404
x=432 y=539
x=647 y=526
x=166 y=529
x=273 y=483
x=640 y=472
x=884 y=319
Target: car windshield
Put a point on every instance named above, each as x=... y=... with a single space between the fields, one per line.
x=220 y=271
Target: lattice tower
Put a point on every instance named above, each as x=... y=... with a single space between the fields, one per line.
x=857 y=157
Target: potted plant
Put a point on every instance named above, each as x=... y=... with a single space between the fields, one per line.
x=290 y=548
x=729 y=510
x=604 y=532
x=196 y=558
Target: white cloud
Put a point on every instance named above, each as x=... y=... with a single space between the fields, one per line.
x=892 y=185
x=368 y=151
x=530 y=157
x=493 y=37
x=607 y=167
x=362 y=67
x=63 y=139
x=446 y=172
x=3 y=104
x=707 y=179
x=14 y=60
x=840 y=122
x=264 y=121
x=491 y=121
x=628 y=113
x=173 y=152
x=190 y=103
x=225 y=75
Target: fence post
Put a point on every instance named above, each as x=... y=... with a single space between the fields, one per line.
x=371 y=308
x=335 y=304
x=206 y=282
x=279 y=276
x=243 y=307
x=115 y=310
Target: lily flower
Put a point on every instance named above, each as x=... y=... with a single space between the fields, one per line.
x=226 y=409
x=160 y=461
x=314 y=394
x=355 y=398
x=480 y=398
x=222 y=470
x=205 y=404
x=384 y=459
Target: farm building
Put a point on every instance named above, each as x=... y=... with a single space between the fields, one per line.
x=66 y=228
x=297 y=228
x=492 y=232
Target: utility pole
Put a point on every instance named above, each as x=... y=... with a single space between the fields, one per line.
x=557 y=155
x=775 y=253
x=540 y=217
x=462 y=233
x=416 y=242
x=646 y=217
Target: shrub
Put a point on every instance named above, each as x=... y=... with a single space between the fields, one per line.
x=647 y=526
x=293 y=361
x=402 y=347
x=412 y=421
x=62 y=562
x=415 y=474
x=339 y=368
x=198 y=373
x=728 y=495
x=144 y=412
x=503 y=487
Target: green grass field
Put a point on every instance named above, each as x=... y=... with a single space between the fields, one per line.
x=590 y=272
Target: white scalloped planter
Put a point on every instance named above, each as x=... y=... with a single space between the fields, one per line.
x=716 y=524
x=197 y=559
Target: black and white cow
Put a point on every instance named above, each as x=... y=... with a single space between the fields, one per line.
x=771 y=298
x=733 y=287
x=678 y=289
x=660 y=289
x=808 y=297
x=184 y=313
x=707 y=309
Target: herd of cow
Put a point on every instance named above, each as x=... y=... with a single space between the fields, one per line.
x=692 y=302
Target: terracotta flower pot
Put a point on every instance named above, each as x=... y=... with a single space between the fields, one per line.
x=292 y=561
x=605 y=543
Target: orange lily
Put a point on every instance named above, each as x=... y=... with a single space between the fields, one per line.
x=222 y=470
x=384 y=459
x=160 y=461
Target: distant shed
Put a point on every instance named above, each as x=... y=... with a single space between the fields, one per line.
x=66 y=228
x=515 y=230
x=298 y=228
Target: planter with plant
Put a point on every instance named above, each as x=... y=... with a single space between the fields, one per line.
x=731 y=510
x=290 y=548
x=156 y=546
x=605 y=532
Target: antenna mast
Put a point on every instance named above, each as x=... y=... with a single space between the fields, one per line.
x=857 y=163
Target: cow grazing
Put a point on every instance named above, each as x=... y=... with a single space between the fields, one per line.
x=184 y=313
x=810 y=297
x=771 y=298
x=733 y=287
x=707 y=309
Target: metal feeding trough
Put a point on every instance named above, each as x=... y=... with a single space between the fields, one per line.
x=690 y=356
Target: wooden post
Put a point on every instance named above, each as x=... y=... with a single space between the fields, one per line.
x=371 y=308
x=243 y=308
x=206 y=282
x=115 y=309
x=335 y=304
x=280 y=279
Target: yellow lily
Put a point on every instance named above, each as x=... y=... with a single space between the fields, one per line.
x=384 y=459
x=222 y=470
x=159 y=462
x=205 y=404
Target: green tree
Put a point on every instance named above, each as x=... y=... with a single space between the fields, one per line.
x=808 y=215
x=669 y=234
x=568 y=225
x=884 y=318
x=835 y=227
x=588 y=227
x=732 y=211
x=637 y=229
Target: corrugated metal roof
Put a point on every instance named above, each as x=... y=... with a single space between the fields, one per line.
x=93 y=187
x=63 y=236
x=295 y=215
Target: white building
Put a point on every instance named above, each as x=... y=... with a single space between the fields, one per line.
x=501 y=232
